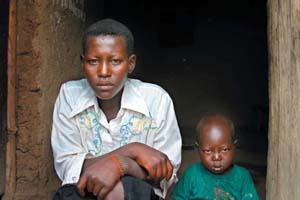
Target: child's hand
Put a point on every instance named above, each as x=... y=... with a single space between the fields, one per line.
x=156 y=163
x=99 y=176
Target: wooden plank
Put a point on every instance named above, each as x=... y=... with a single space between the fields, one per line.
x=11 y=104
x=284 y=88
x=3 y=89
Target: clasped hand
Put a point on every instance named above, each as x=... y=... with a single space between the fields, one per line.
x=156 y=163
x=99 y=176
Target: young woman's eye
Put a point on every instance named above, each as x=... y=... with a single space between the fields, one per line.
x=115 y=61
x=93 y=61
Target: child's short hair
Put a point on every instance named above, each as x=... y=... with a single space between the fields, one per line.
x=229 y=121
x=109 y=27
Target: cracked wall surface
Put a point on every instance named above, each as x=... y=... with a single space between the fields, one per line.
x=48 y=49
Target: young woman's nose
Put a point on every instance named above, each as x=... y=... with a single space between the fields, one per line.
x=216 y=156
x=103 y=70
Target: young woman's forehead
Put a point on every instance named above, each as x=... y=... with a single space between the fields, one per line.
x=106 y=44
x=107 y=39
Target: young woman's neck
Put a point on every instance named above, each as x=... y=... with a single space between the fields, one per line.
x=112 y=106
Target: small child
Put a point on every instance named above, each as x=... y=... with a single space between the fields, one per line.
x=215 y=177
x=113 y=137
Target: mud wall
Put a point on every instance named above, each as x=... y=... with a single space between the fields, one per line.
x=48 y=49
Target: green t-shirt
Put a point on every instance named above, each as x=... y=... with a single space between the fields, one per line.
x=197 y=183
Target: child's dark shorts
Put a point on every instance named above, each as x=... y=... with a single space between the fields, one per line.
x=134 y=189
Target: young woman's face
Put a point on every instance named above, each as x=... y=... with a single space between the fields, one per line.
x=106 y=65
x=216 y=150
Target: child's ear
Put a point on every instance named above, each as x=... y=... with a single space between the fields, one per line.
x=132 y=62
x=235 y=141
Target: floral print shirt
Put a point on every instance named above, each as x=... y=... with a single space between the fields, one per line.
x=80 y=129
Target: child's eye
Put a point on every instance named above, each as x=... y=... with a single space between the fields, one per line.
x=224 y=150
x=115 y=61
x=206 y=150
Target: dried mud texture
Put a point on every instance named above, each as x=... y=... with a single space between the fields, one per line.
x=48 y=52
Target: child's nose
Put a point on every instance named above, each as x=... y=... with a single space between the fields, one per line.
x=103 y=70
x=217 y=156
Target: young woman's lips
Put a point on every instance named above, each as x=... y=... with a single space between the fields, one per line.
x=104 y=86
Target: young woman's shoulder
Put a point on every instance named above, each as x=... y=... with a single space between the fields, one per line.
x=154 y=95
x=145 y=87
x=75 y=84
x=73 y=91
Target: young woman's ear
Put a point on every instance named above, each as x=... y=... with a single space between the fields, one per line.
x=81 y=57
x=132 y=62
x=82 y=62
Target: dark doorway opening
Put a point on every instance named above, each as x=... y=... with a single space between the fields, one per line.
x=3 y=88
x=212 y=58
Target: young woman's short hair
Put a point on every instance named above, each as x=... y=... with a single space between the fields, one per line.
x=109 y=27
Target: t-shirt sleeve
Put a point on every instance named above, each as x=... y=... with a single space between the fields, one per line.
x=66 y=143
x=248 y=188
x=168 y=140
x=183 y=188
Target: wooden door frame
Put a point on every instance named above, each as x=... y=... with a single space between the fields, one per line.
x=4 y=7
x=11 y=104
x=10 y=170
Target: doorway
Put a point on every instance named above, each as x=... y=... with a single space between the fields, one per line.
x=211 y=58
x=3 y=88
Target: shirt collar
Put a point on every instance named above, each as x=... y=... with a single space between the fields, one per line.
x=131 y=100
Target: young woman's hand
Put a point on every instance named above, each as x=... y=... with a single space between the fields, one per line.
x=99 y=176
x=156 y=163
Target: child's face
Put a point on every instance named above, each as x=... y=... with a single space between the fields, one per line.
x=215 y=147
x=106 y=65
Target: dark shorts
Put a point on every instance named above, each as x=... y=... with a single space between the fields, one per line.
x=134 y=189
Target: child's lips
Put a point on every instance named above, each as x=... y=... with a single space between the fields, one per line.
x=217 y=168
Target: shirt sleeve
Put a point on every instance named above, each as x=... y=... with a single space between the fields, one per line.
x=168 y=141
x=248 y=189
x=66 y=142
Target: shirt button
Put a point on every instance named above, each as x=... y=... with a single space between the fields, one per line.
x=74 y=178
